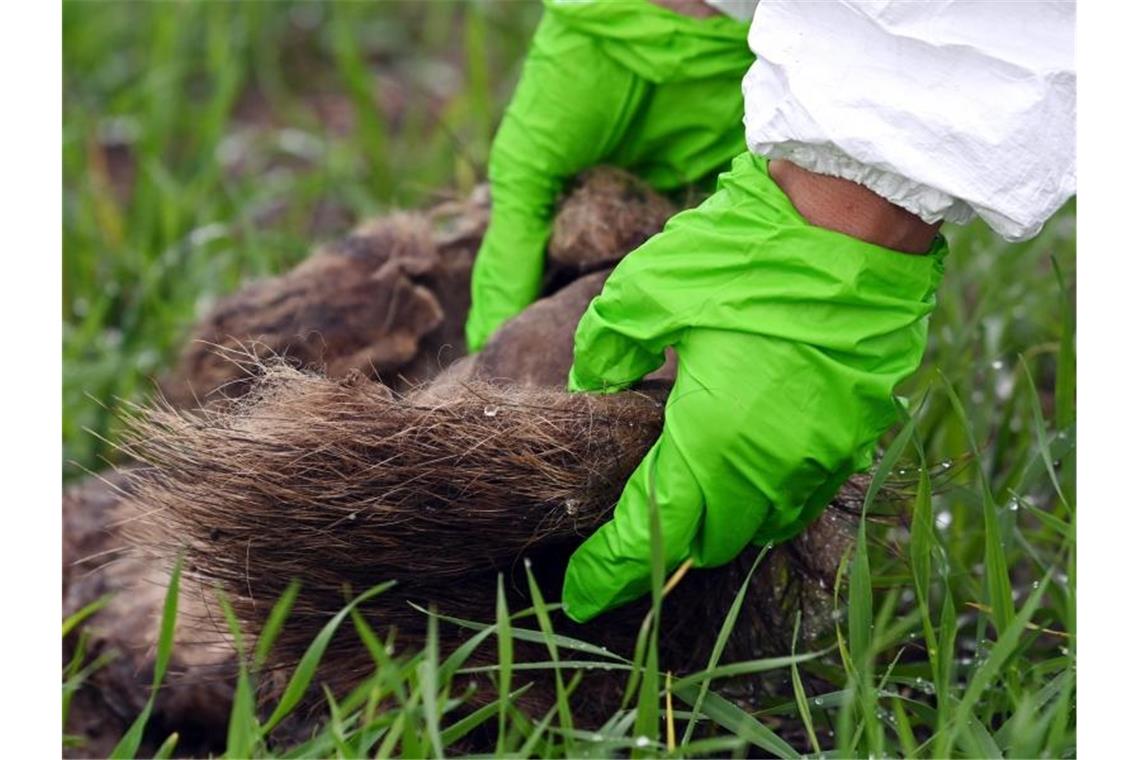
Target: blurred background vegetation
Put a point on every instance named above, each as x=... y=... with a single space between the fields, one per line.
x=210 y=142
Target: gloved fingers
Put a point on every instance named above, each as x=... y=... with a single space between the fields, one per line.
x=624 y=332
x=569 y=108
x=613 y=566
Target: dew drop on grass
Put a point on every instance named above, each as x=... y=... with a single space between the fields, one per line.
x=943 y=519
x=490 y=411
x=997 y=364
x=641 y=741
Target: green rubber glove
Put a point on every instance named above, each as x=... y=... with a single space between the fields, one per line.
x=790 y=340
x=628 y=84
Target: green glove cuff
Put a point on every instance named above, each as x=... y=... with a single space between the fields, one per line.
x=790 y=341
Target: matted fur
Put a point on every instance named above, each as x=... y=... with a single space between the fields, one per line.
x=342 y=485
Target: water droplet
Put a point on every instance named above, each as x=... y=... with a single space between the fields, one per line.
x=943 y=520
x=818 y=702
x=351 y=515
x=997 y=364
x=490 y=411
x=641 y=741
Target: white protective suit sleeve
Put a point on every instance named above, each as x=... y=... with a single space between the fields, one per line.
x=948 y=108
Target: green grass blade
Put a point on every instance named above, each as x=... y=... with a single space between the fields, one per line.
x=801 y=695
x=647 y=725
x=860 y=603
x=532 y=636
x=745 y=668
x=429 y=686
x=1065 y=387
x=241 y=734
x=944 y=676
x=1041 y=436
x=999 y=591
x=459 y=655
x=1031 y=707
x=537 y=734
x=369 y=638
x=72 y=621
x=562 y=697
x=303 y=674
x=476 y=718
x=741 y=724
x=128 y=745
x=985 y=675
x=274 y=623
x=166 y=629
x=903 y=729
x=506 y=659
x=166 y=749
x=726 y=628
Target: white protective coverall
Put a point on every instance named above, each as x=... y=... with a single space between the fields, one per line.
x=949 y=108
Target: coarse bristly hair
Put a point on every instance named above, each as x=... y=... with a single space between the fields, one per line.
x=342 y=484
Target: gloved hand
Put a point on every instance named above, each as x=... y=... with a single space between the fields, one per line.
x=790 y=340
x=629 y=84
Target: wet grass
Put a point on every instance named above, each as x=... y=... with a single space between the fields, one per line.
x=208 y=143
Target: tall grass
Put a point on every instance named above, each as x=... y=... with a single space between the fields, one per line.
x=206 y=143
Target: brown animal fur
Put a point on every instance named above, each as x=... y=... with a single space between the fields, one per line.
x=605 y=216
x=341 y=484
x=320 y=451
x=97 y=561
x=390 y=299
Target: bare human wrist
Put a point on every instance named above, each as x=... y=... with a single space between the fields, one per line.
x=692 y=8
x=845 y=206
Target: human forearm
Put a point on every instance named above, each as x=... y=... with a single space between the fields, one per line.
x=844 y=206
